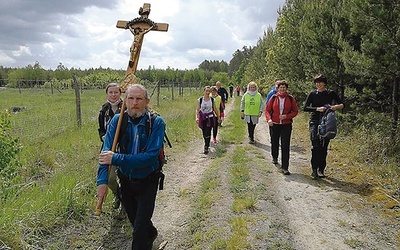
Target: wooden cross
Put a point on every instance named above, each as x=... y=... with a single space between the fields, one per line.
x=139 y=27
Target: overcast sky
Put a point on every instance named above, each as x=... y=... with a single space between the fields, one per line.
x=83 y=34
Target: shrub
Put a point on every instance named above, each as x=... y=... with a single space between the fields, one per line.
x=9 y=149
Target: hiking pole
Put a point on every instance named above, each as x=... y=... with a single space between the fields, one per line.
x=138 y=27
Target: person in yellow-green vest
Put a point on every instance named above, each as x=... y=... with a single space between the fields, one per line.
x=251 y=107
x=219 y=105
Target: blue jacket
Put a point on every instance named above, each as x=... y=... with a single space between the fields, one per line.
x=270 y=94
x=142 y=157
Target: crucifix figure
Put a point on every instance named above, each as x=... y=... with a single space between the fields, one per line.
x=139 y=27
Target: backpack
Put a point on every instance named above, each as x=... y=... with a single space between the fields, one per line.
x=327 y=129
x=212 y=100
x=162 y=160
x=221 y=105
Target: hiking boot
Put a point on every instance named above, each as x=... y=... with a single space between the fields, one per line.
x=116 y=202
x=121 y=215
x=251 y=141
x=215 y=140
x=286 y=172
x=205 y=150
x=321 y=174
x=275 y=161
x=314 y=175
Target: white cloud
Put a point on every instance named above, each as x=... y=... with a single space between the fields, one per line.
x=23 y=50
x=83 y=34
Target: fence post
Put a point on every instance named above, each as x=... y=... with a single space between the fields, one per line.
x=172 y=91
x=78 y=101
x=158 y=93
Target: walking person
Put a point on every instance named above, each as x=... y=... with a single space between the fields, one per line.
x=316 y=103
x=219 y=105
x=222 y=92
x=272 y=92
x=230 y=90
x=224 y=96
x=206 y=111
x=137 y=165
x=107 y=112
x=251 y=107
x=279 y=112
x=238 y=90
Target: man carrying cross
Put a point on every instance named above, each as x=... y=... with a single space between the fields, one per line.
x=137 y=158
x=137 y=163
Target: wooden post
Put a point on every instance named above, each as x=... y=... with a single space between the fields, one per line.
x=78 y=102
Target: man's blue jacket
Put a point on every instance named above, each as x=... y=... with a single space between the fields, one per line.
x=142 y=150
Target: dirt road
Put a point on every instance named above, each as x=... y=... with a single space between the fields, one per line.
x=312 y=214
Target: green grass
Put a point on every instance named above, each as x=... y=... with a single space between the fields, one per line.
x=236 y=161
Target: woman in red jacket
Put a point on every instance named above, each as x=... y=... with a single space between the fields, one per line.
x=279 y=112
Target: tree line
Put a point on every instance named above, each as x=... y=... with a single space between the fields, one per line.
x=355 y=43
x=30 y=76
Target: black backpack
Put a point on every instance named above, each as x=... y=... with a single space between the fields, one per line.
x=327 y=129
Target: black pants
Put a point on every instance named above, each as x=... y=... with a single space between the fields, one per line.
x=138 y=198
x=207 y=133
x=215 y=127
x=282 y=132
x=250 y=129
x=319 y=149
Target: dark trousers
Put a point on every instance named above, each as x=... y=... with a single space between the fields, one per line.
x=250 y=129
x=319 y=149
x=138 y=198
x=215 y=127
x=207 y=133
x=282 y=132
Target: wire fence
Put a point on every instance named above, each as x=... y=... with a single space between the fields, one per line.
x=40 y=113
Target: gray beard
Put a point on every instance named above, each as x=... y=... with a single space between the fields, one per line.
x=136 y=115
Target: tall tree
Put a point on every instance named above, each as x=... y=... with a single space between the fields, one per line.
x=377 y=23
x=283 y=57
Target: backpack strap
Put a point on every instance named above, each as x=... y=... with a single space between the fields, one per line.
x=153 y=115
x=148 y=126
x=212 y=100
x=124 y=125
